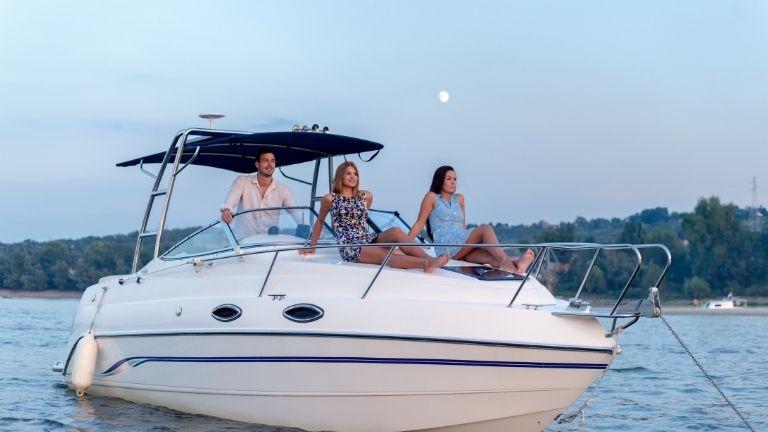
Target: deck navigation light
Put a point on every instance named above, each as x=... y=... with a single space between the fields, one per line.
x=212 y=117
x=315 y=127
x=326 y=129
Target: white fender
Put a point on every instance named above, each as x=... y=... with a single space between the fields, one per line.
x=85 y=363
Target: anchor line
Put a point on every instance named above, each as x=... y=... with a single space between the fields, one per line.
x=580 y=413
x=707 y=375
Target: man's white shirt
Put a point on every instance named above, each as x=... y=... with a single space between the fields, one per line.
x=245 y=194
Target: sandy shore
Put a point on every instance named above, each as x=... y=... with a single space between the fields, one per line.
x=47 y=294
x=690 y=310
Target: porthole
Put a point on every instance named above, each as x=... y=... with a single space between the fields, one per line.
x=226 y=312
x=303 y=313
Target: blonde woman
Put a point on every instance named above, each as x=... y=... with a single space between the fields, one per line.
x=349 y=206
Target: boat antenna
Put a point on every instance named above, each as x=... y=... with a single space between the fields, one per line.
x=212 y=117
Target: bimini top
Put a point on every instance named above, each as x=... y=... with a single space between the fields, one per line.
x=237 y=151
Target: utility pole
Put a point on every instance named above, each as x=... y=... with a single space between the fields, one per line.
x=754 y=222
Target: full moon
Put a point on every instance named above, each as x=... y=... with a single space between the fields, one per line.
x=443 y=96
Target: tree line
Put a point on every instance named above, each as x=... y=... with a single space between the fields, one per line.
x=715 y=250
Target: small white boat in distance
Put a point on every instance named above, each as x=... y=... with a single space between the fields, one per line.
x=236 y=324
x=727 y=302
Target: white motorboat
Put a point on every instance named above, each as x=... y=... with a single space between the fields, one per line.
x=727 y=302
x=238 y=325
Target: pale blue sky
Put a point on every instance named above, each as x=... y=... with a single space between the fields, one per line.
x=558 y=109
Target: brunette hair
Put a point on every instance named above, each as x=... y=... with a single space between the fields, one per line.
x=437 y=187
x=339 y=177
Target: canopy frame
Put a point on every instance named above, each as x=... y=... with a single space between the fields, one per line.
x=230 y=142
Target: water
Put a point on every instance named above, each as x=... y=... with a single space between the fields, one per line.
x=652 y=386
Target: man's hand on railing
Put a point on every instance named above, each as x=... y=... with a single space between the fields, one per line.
x=309 y=251
x=226 y=216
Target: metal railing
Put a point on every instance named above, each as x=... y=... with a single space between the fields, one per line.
x=542 y=252
x=533 y=270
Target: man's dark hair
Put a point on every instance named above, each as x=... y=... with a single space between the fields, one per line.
x=263 y=152
x=436 y=187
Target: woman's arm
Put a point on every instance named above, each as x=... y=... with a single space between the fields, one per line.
x=427 y=205
x=460 y=197
x=325 y=206
x=368 y=198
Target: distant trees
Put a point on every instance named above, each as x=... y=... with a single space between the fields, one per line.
x=713 y=252
x=565 y=232
x=722 y=252
x=69 y=265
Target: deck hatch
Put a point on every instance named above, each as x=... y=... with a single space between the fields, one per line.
x=484 y=272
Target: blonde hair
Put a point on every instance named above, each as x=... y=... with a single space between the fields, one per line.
x=339 y=177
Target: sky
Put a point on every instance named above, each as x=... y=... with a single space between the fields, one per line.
x=557 y=109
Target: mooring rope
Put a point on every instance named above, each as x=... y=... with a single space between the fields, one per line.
x=709 y=377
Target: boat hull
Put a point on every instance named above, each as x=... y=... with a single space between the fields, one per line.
x=349 y=382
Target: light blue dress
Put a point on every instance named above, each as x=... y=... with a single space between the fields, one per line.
x=447 y=223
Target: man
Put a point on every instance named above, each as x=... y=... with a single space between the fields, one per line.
x=257 y=191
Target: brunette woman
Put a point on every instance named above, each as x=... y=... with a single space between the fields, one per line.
x=349 y=206
x=443 y=213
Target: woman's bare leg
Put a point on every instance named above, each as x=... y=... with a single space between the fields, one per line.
x=396 y=235
x=481 y=256
x=376 y=255
x=484 y=234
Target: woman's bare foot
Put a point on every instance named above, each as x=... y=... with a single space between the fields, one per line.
x=525 y=261
x=508 y=265
x=432 y=264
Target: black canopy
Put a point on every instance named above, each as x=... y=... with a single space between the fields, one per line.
x=237 y=151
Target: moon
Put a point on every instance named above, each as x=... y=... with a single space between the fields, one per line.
x=443 y=96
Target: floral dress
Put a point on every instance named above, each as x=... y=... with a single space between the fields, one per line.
x=349 y=217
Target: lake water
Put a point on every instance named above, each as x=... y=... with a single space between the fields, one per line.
x=652 y=386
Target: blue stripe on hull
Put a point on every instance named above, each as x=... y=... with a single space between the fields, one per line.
x=138 y=361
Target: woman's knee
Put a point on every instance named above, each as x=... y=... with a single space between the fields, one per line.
x=396 y=233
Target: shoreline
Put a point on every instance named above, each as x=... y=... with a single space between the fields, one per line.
x=692 y=310
x=43 y=294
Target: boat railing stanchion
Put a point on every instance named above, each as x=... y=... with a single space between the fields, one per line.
x=528 y=272
x=631 y=279
x=588 y=272
x=378 y=271
x=269 y=272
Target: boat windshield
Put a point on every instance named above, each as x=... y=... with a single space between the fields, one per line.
x=284 y=225
x=251 y=228
x=267 y=227
x=382 y=220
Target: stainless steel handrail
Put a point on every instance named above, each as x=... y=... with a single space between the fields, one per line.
x=381 y=267
x=191 y=159
x=269 y=272
x=543 y=249
x=149 y=173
